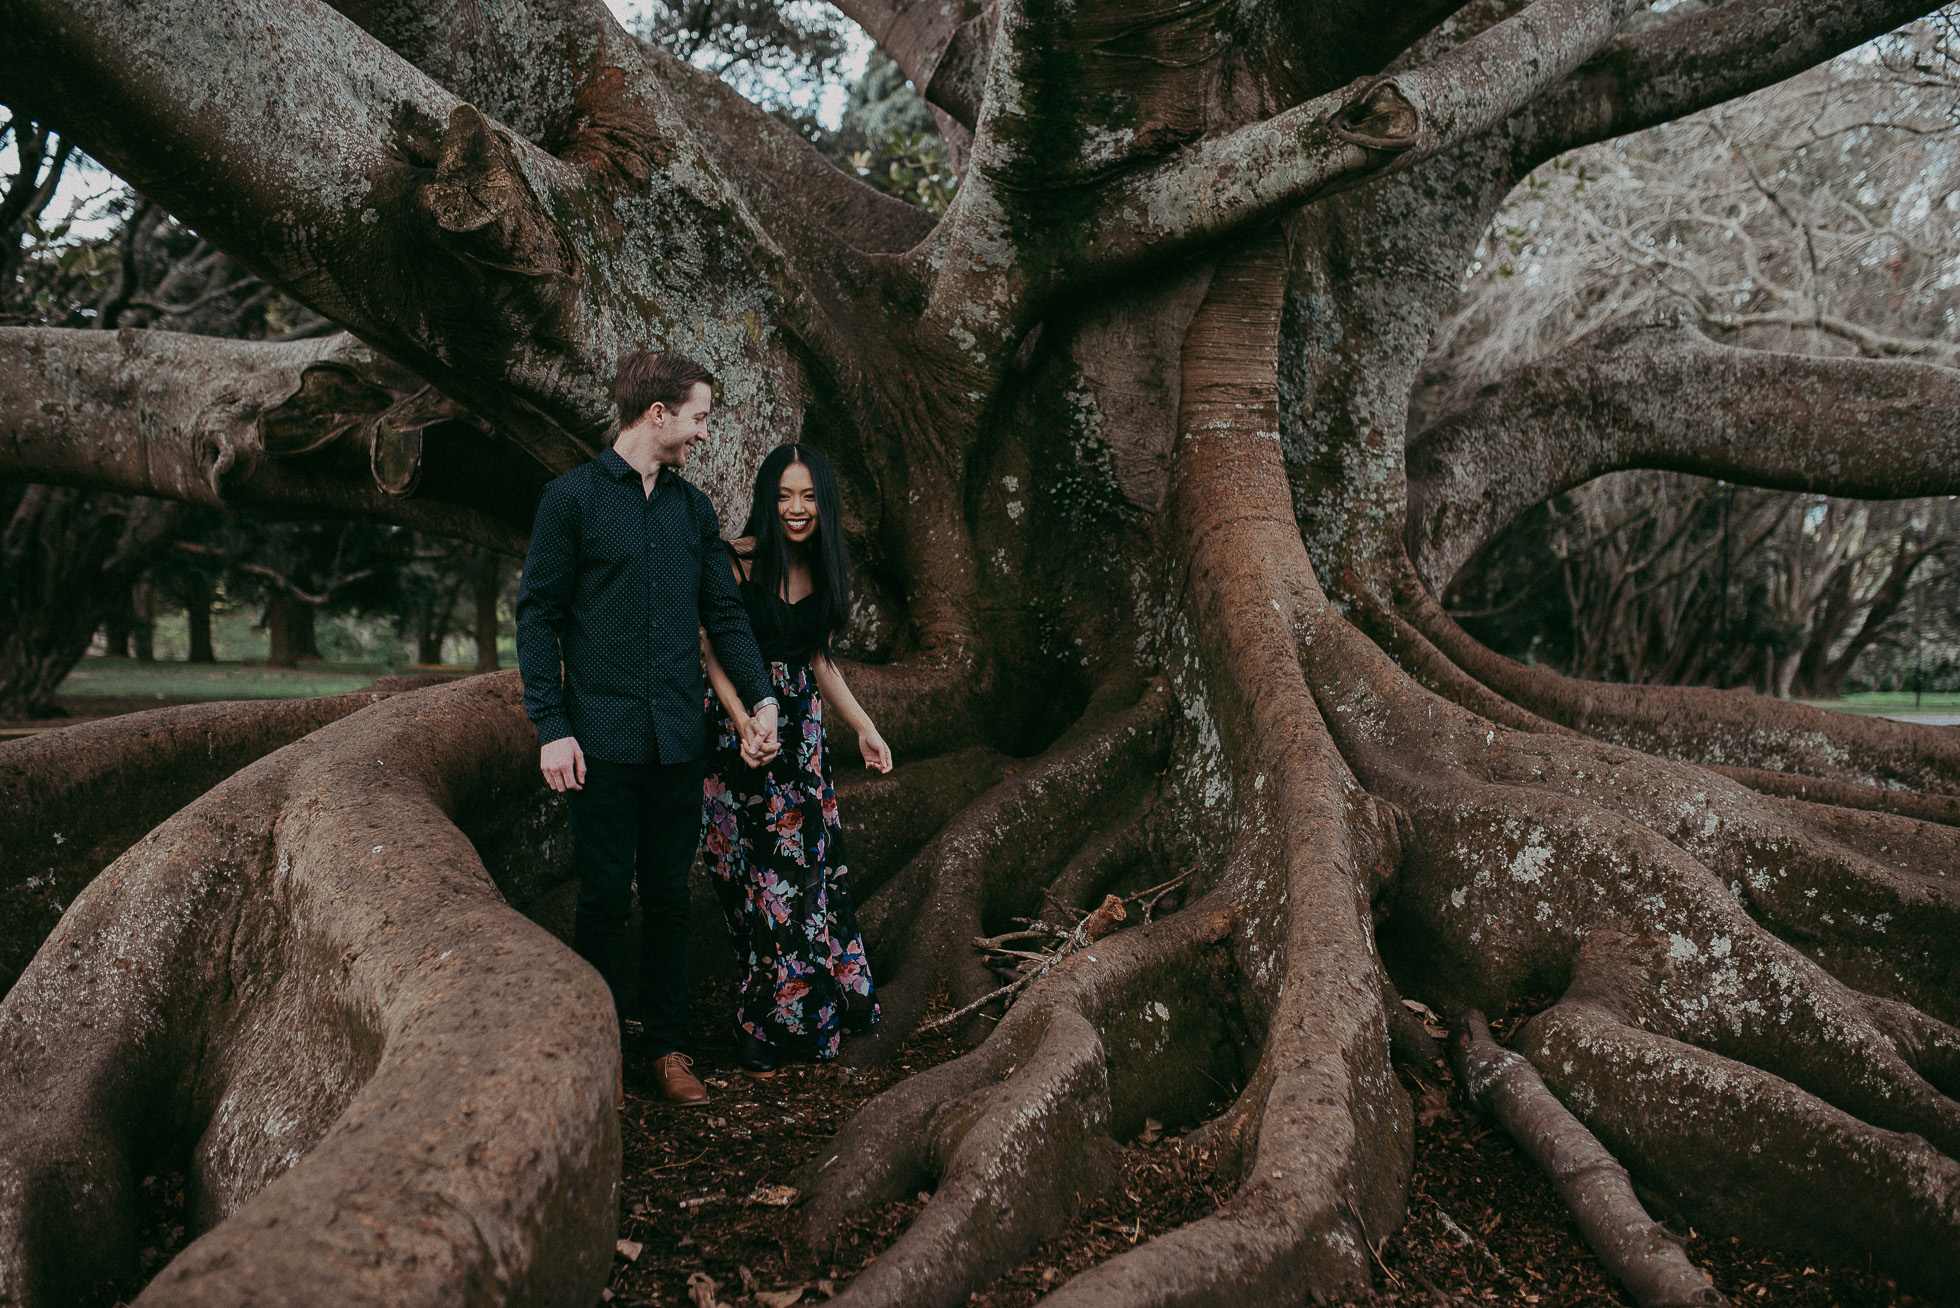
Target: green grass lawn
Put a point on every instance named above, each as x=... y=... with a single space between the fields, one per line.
x=126 y=677
x=1893 y=701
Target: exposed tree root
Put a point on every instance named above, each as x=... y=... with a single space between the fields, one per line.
x=1317 y=1135
x=995 y=858
x=74 y=798
x=1636 y=1249
x=1732 y=728
x=1739 y=1150
x=1098 y=865
x=1013 y=1136
x=1799 y=942
x=305 y=991
x=1542 y=862
x=890 y=817
x=922 y=705
x=1944 y=809
x=1309 y=1132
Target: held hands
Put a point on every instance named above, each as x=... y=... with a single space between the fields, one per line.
x=760 y=744
x=877 y=754
x=563 y=764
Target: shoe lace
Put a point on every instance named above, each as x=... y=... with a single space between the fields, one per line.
x=677 y=1058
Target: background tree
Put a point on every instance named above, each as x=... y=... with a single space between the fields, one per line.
x=1656 y=577
x=1814 y=216
x=1124 y=441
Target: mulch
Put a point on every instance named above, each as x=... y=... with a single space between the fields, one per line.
x=1484 y=1225
x=696 y=1190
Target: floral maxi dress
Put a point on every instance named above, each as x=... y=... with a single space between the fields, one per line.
x=775 y=848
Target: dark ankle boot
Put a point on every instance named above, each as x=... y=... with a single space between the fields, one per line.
x=757 y=1058
x=857 y=1014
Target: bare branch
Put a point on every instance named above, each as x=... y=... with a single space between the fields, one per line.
x=1651 y=391
x=311 y=428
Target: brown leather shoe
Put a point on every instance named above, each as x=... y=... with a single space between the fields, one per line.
x=677 y=1084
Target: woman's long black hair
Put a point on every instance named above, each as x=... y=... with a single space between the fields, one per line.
x=830 y=562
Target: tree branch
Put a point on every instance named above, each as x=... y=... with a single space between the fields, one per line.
x=507 y=276
x=1676 y=68
x=569 y=78
x=343 y=175
x=706 y=181
x=312 y=428
x=1342 y=139
x=1650 y=391
x=941 y=48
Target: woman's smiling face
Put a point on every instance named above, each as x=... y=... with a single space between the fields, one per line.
x=796 y=503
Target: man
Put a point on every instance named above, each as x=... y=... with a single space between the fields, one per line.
x=626 y=569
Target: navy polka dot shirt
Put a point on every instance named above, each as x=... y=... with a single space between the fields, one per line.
x=618 y=584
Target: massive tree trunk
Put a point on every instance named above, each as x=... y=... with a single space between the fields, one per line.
x=1123 y=441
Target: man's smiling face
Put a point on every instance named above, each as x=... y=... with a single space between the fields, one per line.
x=676 y=433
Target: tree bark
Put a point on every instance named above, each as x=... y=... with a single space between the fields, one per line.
x=312 y=428
x=1123 y=445
x=73 y=799
x=1639 y=1252
x=197 y=619
x=319 y=1082
x=489 y=585
x=1652 y=392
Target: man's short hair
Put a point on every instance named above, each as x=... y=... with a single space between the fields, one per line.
x=647 y=379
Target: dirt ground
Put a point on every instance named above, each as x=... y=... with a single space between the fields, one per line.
x=1484 y=1225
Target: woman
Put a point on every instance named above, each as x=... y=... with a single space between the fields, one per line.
x=770 y=828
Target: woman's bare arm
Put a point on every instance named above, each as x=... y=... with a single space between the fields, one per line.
x=837 y=695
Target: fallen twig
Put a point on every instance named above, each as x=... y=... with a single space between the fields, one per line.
x=1032 y=964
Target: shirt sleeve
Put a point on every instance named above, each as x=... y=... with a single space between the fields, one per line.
x=725 y=619
x=544 y=600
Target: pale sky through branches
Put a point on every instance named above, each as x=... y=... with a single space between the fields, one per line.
x=632 y=14
x=86 y=186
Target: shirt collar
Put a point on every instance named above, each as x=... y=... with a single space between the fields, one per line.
x=621 y=470
x=609 y=458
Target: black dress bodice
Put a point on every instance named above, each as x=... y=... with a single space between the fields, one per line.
x=785 y=632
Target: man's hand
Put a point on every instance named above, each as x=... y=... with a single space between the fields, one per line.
x=563 y=764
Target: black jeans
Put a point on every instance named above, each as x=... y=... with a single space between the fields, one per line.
x=649 y=815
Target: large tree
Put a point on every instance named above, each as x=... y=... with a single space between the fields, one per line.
x=1123 y=434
